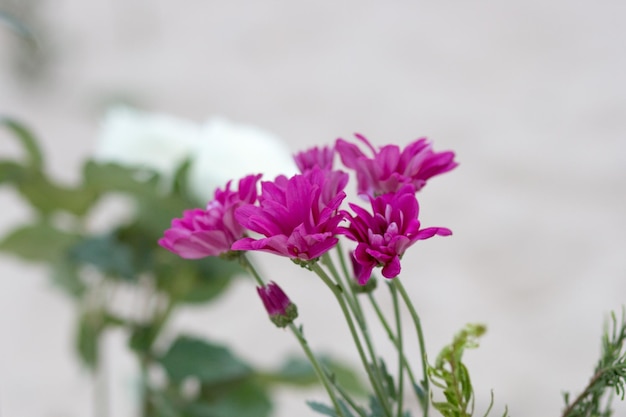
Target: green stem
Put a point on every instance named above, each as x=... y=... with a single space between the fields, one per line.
x=355 y=306
x=318 y=369
x=393 y=339
x=399 y=346
x=422 y=344
x=337 y=291
x=303 y=343
x=353 y=302
x=342 y=262
x=346 y=396
x=146 y=405
x=243 y=259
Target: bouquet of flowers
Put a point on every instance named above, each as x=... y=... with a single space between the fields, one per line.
x=355 y=249
x=301 y=218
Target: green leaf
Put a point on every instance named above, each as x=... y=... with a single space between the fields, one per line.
x=322 y=408
x=346 y=376
x=246 y=399
x=23 y=134
x=47 y=197
x=330 y=411
x=180 y=178
x=387 y=380
x=39 y=242
x=10 y=171
x=107 y=177
x=65 y=276
x=193 y=281
x=106 y=253
x=210 y=363
x=294 y=371
x=298 y=371
x=142 y=337
x=90 y=327
x=376 y=408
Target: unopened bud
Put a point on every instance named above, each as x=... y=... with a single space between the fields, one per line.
x=279 y=307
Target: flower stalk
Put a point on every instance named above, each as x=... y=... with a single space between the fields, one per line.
x=374 y=377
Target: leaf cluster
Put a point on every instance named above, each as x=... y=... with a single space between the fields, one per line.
x=609 y=377
x=451 y=375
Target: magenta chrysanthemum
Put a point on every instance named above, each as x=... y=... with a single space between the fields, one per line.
x=298 y=216
x=315 y=157
x=389 y=168
x=211 y=232
x=385 y=235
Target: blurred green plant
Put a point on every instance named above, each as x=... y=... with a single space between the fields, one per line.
x=30 y=52
x=94 y=268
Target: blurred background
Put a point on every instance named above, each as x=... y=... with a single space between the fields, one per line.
x=531 y=95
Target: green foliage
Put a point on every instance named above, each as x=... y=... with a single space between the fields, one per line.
x=609 y=375
x=209 y=363
x=330 y=411
x=298 y=371
x=39 y=242
x=451 y=375
x=92 y=268
x=247 y=399
x=24 y=135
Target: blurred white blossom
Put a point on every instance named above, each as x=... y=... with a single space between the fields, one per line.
x=218 y=149
x=232 y=151
x=151 y=140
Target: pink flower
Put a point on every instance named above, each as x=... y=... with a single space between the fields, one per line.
x=385 y=235
x=315 y=157
x=389 y=168
x=211 y=232
x=298 y=216
x=279 y=307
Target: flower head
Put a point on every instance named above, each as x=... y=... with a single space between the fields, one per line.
x=315 y=157
x=298 y=216
x=383 y=236
x=211 y=232
x=279 y=307
x=389 y=169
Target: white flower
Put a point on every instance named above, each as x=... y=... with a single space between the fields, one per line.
x=219 y=150
x=150 y=140
x=231 y=151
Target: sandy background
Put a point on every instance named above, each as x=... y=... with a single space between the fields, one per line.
x=530 y=94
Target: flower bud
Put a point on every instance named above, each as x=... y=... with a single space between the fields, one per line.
x=279 y=307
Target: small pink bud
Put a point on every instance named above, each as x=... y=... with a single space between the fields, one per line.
x=280 y=309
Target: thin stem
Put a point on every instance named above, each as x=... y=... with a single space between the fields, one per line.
x=346 y=396
x=399 y=346
x=101 y=391
x=318 y=369
x=146 y=405
x=391 y=336
x=337 y=292
x=250 y=267
x=342 y=261
x=583 y=394
x=350 y=296
x=355 y=306
x=422 y=344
